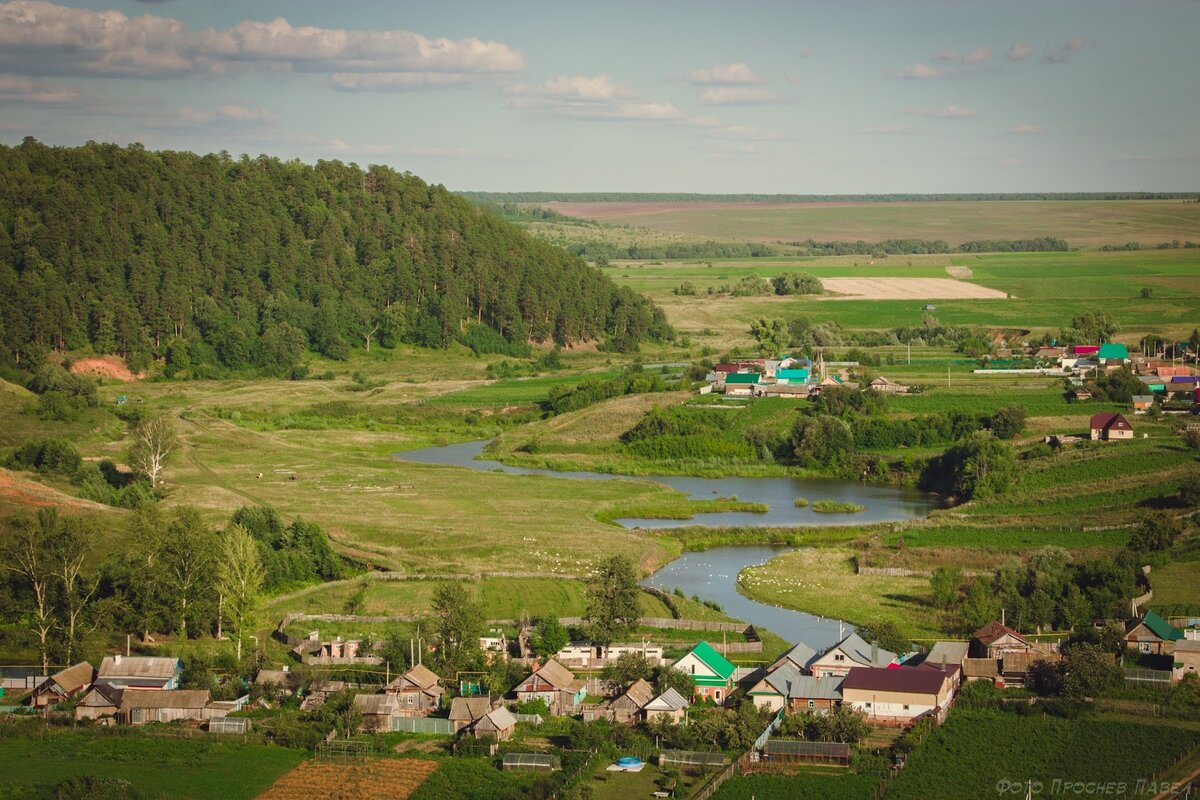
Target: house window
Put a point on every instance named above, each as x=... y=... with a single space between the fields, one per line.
x=839 y=657
x=1144 y=647
x=717 y=694
x=868 y=705
x=906 y=708
x=812 y=704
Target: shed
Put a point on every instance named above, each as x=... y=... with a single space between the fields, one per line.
x=377 y=710
x=141 y=706
x=1142 y=403
x=465 y=711
x=668 y=704
x=629 y=704
x=63 y=685
x=141 y=672
x=498 y=723
x=101 y=700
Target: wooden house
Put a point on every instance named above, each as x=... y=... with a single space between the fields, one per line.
x=627 y=706
x=553 y=684
x=466 y=711
x=899 y=696
x=140 y=706
x=1187 y=658
x=63 y=685
x=1150 y=633
x=787 y=687
x=377 y=711
x=852 y=651
x=418 y=691
x=140 y=672
x=100 y=701
x=670 y=704
x=1142 y=403
x=996 y=639
x=801 y=657
x=1108 y=426
x=711 y=672
x=741 y=384
x=499 y=723
x=882 y=384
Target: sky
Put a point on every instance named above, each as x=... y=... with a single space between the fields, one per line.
x=651 y=96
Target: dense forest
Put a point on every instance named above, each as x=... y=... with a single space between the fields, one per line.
x=211 y=262
x=686 y=197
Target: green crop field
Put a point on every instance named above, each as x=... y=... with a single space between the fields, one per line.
x=808 y=785
x=157 y=767
x=1083 y=223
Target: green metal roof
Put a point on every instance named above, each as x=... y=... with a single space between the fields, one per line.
x=1112 y=350
x=1160 y=627
x=791 y=374
x=742 y=377
x=714 y=661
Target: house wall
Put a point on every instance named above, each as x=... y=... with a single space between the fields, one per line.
x=773 y=702
x=94 y=712
x=803 y=704
x=676 y=716
x=718 y=694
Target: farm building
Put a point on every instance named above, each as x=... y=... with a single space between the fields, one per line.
x=553 y=684
x=63 y=685
x=139 y=707
x=1142 y=403
x=851 y=651
x=499 y=723
x=741 y=384
x=101 y=701
x=711 y=672
x=417 y=691
x=792 y=376
x=947 y=653
x=882 y=384
x=899 y=696
x=1150 y=633
x=798 y=751
x=1108 y=425
x=282 y=680
x=1187 y=658
x=466 y=711
x=627 y=706
x=787 y=687
x=670 y=704
x=140 y=672
x=590 y=655
x=795 y=391
x=377 y=710
x=996 y=639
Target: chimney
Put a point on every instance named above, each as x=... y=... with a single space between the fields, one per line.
x=874 y=652
x=117 y=658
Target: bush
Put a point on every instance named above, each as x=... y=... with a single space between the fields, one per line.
x=46 y=455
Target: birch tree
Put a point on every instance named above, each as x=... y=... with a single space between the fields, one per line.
x=154 y=439
x=240 y=578
x=187 y=560
x=28 y=558
x=67 y=547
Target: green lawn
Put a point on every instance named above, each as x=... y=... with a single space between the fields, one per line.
x=200 y=768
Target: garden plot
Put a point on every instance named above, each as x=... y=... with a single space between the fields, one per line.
x=910 y=289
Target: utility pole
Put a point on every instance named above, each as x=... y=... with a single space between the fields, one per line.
x=947 y=375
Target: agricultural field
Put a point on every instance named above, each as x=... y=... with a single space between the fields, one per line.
x=155 y=766
x=372 y=779
x=1083 y=223
x=975 y=751
x=813 y=784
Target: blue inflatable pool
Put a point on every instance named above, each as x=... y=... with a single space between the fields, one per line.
x=629 y=761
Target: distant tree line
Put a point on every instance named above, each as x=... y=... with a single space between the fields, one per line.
x=214 y=264
x=686 y=197
x=891 y=247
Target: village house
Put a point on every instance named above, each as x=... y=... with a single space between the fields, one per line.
x=101 y=701
x=670 y=704
x=627 y=706
x=494 y=646
x=947 y=653
x=797 y=391
x=882 y=384
x=139 y=707
x=553 y=684
x=337 y=651
x=280 y=681
x=377 y=711
x=1142 y=403
x=852 y=651
x=996 y=639
x=590 y=655
x=63 y=685
x=418 y=692
x=1152 y=634
x=1187 y=658
x=899 y=696
x=1112 y=356
x=787 y=687
x=741 y=384
x=800 y=656
x=140 y=672
x=711 y=672
x=1108 y=426
x=499 y=723
x=466 y=711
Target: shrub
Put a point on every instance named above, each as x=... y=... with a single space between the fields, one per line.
x=46 y=455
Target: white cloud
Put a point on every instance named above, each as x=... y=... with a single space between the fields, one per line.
x=42 y=38
x=977 y=56
x=230 y=115
x=725 y=75
x=737 y=95
x=1063 y=53
x=15 y=89
x=887 y=130
x=747 y=133
x=1019 y=52
x=395 y=81
x=952 y=111
x=920 y=72
x=590 y=97
x=1027 y=130
x=946 y=56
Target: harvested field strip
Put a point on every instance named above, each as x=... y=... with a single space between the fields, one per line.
x=374 y=779
x=911 y=289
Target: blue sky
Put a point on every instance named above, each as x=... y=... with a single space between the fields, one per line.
x=796 y=97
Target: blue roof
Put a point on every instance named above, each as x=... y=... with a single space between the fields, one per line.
x=791 y=374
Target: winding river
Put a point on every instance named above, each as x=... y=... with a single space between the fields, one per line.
x=712 y=574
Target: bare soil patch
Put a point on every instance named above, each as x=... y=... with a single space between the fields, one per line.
x=373 y=779
x=910 y=289
x=20 y=491
x=958 y=271
x=106 y=367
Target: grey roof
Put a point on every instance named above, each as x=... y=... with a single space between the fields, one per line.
x=165 y=698
x=639 y=692
x=385 y=704
x=791 y=683
x=948 y=652
x=268 y=676
x=801 y=655
x=1143 y=398
x=1187 y=646
x=670 y=700
x=859 y=650
x=73 y=677
x=163 y=667
x=499 y=718
x=469 y=709
x=102 y=695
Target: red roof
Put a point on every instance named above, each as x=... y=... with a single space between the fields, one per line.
x=1085 y=349
x=1109 y=420
x=915 y=680
x=995 y=630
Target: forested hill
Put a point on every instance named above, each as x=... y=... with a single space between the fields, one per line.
x=243 y=264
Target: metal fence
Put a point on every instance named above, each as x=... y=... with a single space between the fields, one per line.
x=344 y=748
x=433 y=725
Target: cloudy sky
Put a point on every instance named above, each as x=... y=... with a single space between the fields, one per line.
x=799 y=97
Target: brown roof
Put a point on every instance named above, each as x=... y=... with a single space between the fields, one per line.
x=469 y=709
x=279 y=676
x=1108 y=420
x=165 y=698
x=377 y=704
x=996 y=630
x=102 y=696
x=981 y=667
x=913 y=680
x=421 y=676
x=498 y=719
x=1019 y=663
x=639 y=692
x=554 y=674
x=138 y=667
x=73 y=678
